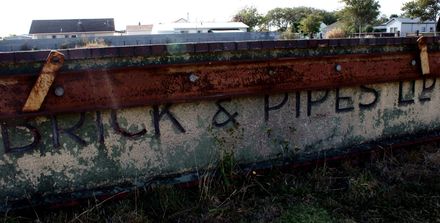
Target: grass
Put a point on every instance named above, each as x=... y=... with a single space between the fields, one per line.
x=399 y=187
x=305 y=214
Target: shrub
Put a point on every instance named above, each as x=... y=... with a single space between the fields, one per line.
x=335 y=33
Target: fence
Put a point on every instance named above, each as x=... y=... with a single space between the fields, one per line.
x=40 y=44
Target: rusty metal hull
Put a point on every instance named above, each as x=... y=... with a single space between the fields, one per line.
x=121 y=77
x=128 y=126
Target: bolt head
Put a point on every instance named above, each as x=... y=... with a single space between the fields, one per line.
x=413 y=62
x=59 y=91
x=272 y=72
x=193 y=78
x=55 y=60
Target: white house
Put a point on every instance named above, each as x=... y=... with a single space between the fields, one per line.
x=404 y=26
x=139 y=29
x=199 y=27
x=322 y=29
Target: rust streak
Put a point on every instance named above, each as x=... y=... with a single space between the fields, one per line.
x=424 y=58
x=47 y=76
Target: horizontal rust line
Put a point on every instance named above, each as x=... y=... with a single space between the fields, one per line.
x=121 y=88
x=207 y=47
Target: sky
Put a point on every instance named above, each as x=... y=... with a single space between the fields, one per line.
x=17 y=15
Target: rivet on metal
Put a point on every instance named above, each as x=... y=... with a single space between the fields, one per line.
x=272 y=72
x=338 y=68
x=59 y=91
x=413 y=62
x=55 y=60
x=193 y=78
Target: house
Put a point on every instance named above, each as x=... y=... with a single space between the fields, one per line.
x=181 y=20
x=322 y=28
x=17 y=37
x=199 y=27
x=72 y=28
x=405 y=26
x=139 y=29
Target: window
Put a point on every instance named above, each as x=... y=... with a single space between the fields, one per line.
x=54 y=37
x=66 y=36
x=423 y=29
x=73 y=36
x=431 y=29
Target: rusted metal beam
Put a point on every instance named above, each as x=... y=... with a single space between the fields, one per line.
x=120 y=88
x=86 y=87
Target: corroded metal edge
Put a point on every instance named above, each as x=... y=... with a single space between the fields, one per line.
x=208 y=47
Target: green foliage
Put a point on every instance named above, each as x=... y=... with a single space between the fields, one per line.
x=248 y=16
x=290 y=34
x=348 y=21
x=425 y=9
x=284 y=18
x=361 y=12
x=227 y=167
x=310 y=24
x=328 y=18
x=392 y=16
x=279 y=18
x=381 y=20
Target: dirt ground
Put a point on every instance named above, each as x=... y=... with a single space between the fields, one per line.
x=390 y=186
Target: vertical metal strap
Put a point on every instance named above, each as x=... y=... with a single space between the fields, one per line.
x=424 y=58
x=54 y=62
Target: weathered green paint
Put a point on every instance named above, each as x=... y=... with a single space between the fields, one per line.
x=119 y=160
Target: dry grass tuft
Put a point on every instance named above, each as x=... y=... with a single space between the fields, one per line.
x=335 y=34
x=97 y=43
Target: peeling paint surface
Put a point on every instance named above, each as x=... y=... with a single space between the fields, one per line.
x=67 y=153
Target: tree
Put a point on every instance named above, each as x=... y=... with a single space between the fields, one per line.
x=347 y=19
x=381 y=20
x=288 y=19
x=363 y=12
x=248 y=16
x=310 y=24
x=328 y=18
x=278 y=18
x=424 y=9
x=392 y=16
